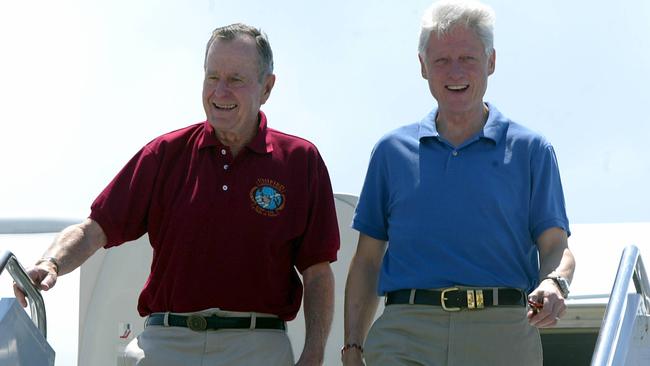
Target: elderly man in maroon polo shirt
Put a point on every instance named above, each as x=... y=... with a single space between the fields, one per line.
x=233 y=210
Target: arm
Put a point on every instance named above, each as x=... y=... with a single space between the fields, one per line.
x=361 y=298
x=555 y=259
x=70 y=249
x=319 y=310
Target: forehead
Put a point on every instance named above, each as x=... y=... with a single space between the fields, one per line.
x=239 y=53
x=458 y=39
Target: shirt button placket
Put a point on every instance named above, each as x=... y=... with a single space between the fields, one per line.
x=223 y=152
x=451 y=158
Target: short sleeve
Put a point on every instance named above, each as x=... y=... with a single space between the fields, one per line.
x=371 y=214
x=320 y=241
x=122 y=208
x=547 y=207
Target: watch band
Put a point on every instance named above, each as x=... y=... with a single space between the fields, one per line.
x=561 y=283
x=52 y=260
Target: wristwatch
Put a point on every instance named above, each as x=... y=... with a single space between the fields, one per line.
x=561 y=283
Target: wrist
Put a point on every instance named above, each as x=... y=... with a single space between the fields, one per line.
x=53 y=263
x=351 y=347
x=561 y=283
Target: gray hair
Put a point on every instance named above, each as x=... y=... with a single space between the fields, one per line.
x=442 y=16
x=233 y=31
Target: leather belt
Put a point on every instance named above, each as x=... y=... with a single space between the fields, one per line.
x=213 y=322
x=455 y=298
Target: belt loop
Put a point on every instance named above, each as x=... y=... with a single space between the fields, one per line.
x=412 y=297
x=253 y=320
x=495 y=296
x=166 y=319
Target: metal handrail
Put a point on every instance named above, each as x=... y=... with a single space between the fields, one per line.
x=36 y=303
x=630 y=269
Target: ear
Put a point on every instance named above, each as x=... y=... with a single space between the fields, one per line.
x=492 y=62
x=423 y=68
x=267 y=87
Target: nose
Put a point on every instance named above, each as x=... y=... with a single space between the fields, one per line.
x=456 y=69
x=220 y=88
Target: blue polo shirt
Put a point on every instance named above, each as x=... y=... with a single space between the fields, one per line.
x=466 y=215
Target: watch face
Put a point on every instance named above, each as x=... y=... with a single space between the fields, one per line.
x=564 y=285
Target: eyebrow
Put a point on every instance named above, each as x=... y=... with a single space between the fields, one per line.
x=216 y=72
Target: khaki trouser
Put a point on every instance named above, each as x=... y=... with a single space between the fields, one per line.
x=179 y=346
x=428 y=335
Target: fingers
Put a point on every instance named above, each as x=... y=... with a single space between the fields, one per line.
x=544 y=320
x=49 y=281
x=42 y=278
x=552 y=310
x=550 y=306
x=20 y=296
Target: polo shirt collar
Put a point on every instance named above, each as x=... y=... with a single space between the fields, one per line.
x=427 y=126
x=260 y=144
x=494 y=127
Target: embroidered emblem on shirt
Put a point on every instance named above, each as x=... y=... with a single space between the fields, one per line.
x=268 y=197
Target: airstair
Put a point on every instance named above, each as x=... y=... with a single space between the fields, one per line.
x=624 y=337
x=23 y=340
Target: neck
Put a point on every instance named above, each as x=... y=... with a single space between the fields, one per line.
x=236 y=140
x=458 y=127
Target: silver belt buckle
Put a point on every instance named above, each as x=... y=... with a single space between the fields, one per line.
x=197 y=323
x=443 y=299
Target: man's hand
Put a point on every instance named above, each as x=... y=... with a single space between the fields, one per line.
x=555 y=259
x=43 y=275
x=553 y=306
x=71 y=248
x=352 y=357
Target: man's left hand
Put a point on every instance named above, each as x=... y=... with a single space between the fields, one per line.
x=553 y=306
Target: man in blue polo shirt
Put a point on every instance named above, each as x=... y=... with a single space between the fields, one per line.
x=461 y=219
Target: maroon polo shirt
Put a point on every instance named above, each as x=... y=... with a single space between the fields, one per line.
x=226 y=232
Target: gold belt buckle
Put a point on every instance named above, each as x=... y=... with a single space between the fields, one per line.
x=443 y=299
x=471 y=304
x=480 y=303
x=475 y=299
x=197 y=323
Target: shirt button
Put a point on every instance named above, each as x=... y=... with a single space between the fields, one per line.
x=225 y=167
x=224 y=187
x=454 y=153
x=223 y=151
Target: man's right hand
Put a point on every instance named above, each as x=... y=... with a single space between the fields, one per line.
x=43 y=275
x=74 y=244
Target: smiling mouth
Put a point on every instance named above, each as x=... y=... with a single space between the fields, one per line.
x=224 y=107
x=457 y=88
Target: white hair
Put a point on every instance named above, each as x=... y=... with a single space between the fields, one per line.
x=442 y=16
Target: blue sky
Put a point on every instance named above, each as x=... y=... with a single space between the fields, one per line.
x=84 y=84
